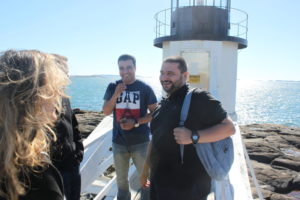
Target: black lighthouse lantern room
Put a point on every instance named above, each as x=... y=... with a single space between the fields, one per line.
x=201 y=20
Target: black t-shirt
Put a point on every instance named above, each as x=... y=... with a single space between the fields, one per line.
x=166 y=166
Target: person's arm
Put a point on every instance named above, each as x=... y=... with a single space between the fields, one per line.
x=215 y=133
x=148 y=117
x=152 y=104
x=110 y=104
x=146 y=170
x=128 y=124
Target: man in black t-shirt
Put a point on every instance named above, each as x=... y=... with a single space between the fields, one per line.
x=207 y=122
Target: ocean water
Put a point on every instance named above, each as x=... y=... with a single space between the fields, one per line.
x=268 y=102
x=257 y=101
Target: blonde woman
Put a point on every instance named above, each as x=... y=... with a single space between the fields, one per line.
x=31 y=87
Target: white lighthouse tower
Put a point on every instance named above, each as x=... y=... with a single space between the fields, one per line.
x=208 y=34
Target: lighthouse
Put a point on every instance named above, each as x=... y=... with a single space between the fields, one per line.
x=208 y=34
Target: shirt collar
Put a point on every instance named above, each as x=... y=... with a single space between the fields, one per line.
x=179 y=92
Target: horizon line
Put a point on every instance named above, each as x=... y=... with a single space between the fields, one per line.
x=102 y=75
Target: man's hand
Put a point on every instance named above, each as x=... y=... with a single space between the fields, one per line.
x=182 y=135
x=144 y=182
x=109 y=105
x=127 y=124
x=119 y=89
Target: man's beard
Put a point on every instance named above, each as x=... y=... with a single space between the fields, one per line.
x=174 y=85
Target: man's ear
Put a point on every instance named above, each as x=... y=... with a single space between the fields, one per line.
x=186 y=75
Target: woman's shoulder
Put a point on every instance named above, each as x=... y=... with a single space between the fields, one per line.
x=44 y=184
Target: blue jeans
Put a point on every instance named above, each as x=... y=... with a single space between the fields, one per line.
x=122 y=155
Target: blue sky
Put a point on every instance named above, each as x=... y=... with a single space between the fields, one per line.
x=93 y=33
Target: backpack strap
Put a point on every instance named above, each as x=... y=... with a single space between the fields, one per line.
x=183 y=115
x=185 y=107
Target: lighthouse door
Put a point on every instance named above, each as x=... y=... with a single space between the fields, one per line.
x=198 y=67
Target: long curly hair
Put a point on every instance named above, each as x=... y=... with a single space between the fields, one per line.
x=31 y=86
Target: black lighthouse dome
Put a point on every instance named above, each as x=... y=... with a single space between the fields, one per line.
x=201 y=20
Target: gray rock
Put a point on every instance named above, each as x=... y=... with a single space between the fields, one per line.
x=287 y=163
x=276 y=196
x=88 y=120
x=275 y=154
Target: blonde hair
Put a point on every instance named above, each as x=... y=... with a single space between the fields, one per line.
x=29 y=79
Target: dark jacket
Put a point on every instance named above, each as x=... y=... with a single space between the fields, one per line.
x=67 y=151
x=47 y=186
x=42 y=184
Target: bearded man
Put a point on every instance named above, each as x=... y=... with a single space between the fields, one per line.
x=206 y=122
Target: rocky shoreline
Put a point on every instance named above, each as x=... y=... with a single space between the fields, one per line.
x=273 y=149
x=275 y=154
